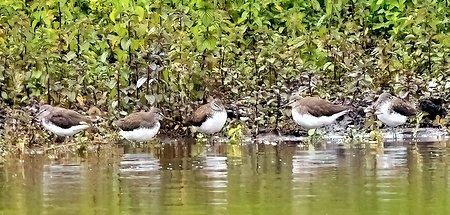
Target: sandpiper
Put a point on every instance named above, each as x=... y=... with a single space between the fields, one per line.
x=393 y=111
x=209 y=118
x=140 y=126
x=63 y=122
x=314 y=112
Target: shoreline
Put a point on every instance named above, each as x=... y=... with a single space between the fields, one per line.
x=424 y=135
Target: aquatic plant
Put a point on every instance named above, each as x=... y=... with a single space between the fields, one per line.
x=235 y=135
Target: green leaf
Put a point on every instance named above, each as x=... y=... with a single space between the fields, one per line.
x=155 y=17
x=368 y=79
x=326 y=65
x=329 y=7
x=315 y=4
x=210 y=43
x=113 y=93
x=69 y=56
x=36 y=74
x=207 y=17
x=140 y=12
x=24 y=99
x=243 y=17
x=104 y=56
x=321 y=20
x=121 y=55
x=114 y=103
x=165 y=75
x=142 y=80
x=150 y=99
x=136 y=44
x=121 y=29
x=113 y=40
x=113 y=15
x=112 y=83
x=311 y=132
x=34 y=23
x=258 y=22
x=71 y=95
x=195 y=30
x=141 y=30
x=409 y=37
x=4 y=95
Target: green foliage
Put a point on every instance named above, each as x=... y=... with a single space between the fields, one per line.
x=235 y=134
x=118 y=53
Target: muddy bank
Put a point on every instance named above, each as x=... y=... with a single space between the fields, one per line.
x=273 y=123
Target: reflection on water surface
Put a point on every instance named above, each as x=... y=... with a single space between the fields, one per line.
x=184 y=178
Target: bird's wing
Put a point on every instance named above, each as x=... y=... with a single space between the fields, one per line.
x=403 y=108
x=200 y=115
x=320 y=107
x=67 y=118
x=136 y=120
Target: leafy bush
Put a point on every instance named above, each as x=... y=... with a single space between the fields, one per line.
x=118 y=53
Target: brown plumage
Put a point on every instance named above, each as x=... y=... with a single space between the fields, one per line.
x=403 y=108
x=393 y=111
x=398 y=105
x=205 y=111
x=140 y=120
x=63 y=122
x=316 y=106
x=200 y=115
x=313 y=112
x=62 y=117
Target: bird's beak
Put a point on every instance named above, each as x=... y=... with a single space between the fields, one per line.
x=39 y=113
x=289 y=104
x=163 y=116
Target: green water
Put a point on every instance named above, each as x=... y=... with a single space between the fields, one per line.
x=182 y=178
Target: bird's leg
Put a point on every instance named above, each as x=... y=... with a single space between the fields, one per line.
x=211 y=138
x=215 y=138
x=309 y=141
x=394 y=133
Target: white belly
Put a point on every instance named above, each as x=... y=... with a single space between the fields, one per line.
x=391 y=119
x=140 y=134
x=309 y=121
x=214 y=124
x=63 y=132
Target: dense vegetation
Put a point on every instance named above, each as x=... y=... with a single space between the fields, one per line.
x=115 y=54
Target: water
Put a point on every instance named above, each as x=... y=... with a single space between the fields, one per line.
x=181 y=178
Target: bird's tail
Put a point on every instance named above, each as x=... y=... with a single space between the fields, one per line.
x=342 y=113
x=94 y=119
